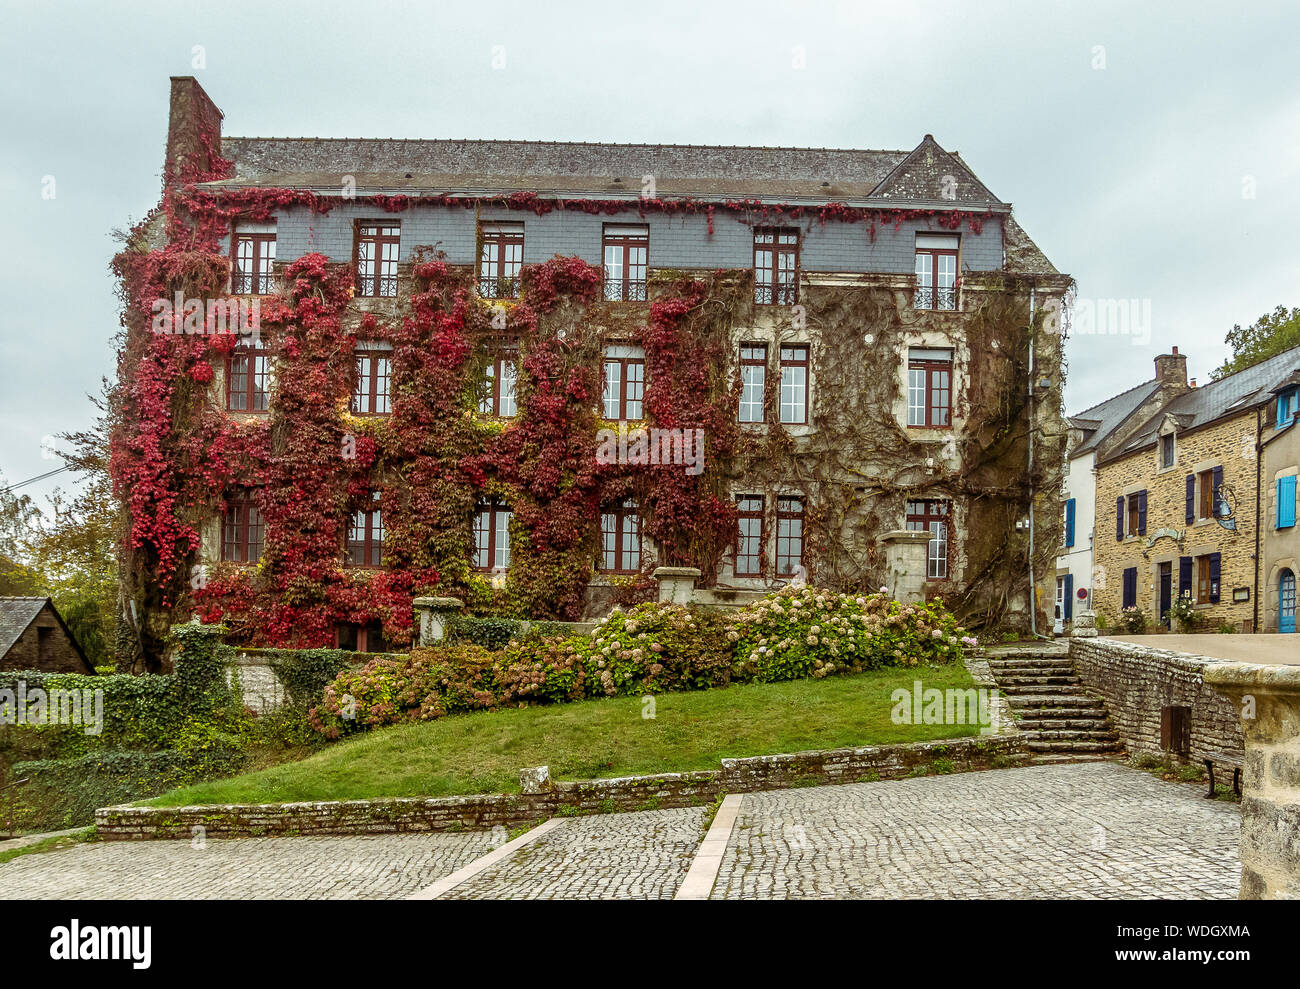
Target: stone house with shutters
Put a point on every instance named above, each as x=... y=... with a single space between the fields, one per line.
x=1279 y=562
x=1181 y=496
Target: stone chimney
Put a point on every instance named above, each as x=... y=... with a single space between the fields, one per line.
x=1171 y=374
x=193 y=133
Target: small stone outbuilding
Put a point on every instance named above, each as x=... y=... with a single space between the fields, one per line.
x=33 y=636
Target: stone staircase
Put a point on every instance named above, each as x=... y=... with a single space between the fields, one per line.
x=1063 y=720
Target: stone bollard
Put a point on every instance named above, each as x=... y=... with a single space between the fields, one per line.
x=1084 y=625
x=676 y=584
x=535 y=779
x=907 y=553
x=435 y=617
x=1268 y=702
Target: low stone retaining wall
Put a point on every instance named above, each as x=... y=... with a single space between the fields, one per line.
x=1137 y=681
x=549 y=798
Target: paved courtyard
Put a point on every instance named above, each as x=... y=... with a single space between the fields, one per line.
x=1094 y=830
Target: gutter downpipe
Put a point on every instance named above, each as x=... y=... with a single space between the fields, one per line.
x=1033 y=586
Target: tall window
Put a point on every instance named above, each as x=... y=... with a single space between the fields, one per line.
x=253 y=257
x=929 y=387
x=366 y=537
x=1167 y=450
x=624 y=385
x=794 y=385
x=242 y=531
x=1202 y=580
x=776 y=266
x=789 y=536
x=1205 y=481
x=933 y=516
x=378 y=246
x=620 y=539
x=248 y=380
x=501 y=255
x=749 y=537
x=492 y=537
x=370 y=397
x=753 y=381
x=499 y=385
x=627 y=251
x=936 y=271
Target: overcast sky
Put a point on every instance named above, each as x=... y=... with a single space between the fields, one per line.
x=1154 y=154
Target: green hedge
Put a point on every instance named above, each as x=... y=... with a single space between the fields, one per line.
x=497 y=633
x=64 y=793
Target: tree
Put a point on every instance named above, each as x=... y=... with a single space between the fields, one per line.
x=1268 y=336
x=17 y=514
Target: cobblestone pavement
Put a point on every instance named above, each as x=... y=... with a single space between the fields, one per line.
x=1089 y=830
x=639 y=856
x=365 y=866
x=1093 y=830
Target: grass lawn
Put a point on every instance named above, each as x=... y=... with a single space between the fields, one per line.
x=482 y=752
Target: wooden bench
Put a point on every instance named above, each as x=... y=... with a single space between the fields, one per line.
x=1223 y=759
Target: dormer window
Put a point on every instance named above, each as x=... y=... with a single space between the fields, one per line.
x=1167 y=450
x=1288 y=406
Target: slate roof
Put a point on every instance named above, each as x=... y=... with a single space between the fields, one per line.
x=17 y=615
x=1104 y=418
x=589 y=169
x=1225 y=397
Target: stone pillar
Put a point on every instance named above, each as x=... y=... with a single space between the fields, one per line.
x=435 y=617
x=1084 y=625
x=1268 y=703
x=906 y=563
x=676 y=584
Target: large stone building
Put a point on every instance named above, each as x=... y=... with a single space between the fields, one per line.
x=1180 y=498
x=856 y=342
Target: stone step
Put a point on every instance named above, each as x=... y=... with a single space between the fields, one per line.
x=1066 y=705
x=1034 y=745
x=1045 y=689
x=1070 y=735
x=1083 y=722
x=1000 y=661
x=1043 y=679
x=1032 y=671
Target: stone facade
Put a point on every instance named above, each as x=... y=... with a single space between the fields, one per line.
x=1167 y=537
x=1268 y=698
x=1137 y=682
x=480 y=811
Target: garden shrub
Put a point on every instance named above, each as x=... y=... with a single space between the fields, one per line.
x=654 y=648
x=496 y=632
x=64 y=793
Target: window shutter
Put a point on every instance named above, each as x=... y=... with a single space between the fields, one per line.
x=1191 y=498
x=1069 y=522
x=1142 y=513
x=1119 y=519
x=1214 y=577
x=1185 y=588
x=1069 y=596
x=1286 y=501
x=1130 y=587
x=1218 y=485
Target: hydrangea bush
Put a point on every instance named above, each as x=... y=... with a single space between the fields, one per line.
x=653 y=648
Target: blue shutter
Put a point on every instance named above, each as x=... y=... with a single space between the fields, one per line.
x=1069 y=522
x=1191 y=498
x=1185 y=588
x=1142 y=513
x=1218 y=486
x=1285 y=501
x=1214 y=577
x=1069 y=596
x=1130 y=587
x=1119 y=520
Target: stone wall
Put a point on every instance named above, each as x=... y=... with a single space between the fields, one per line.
x=1137 y=681
x=547 y=798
